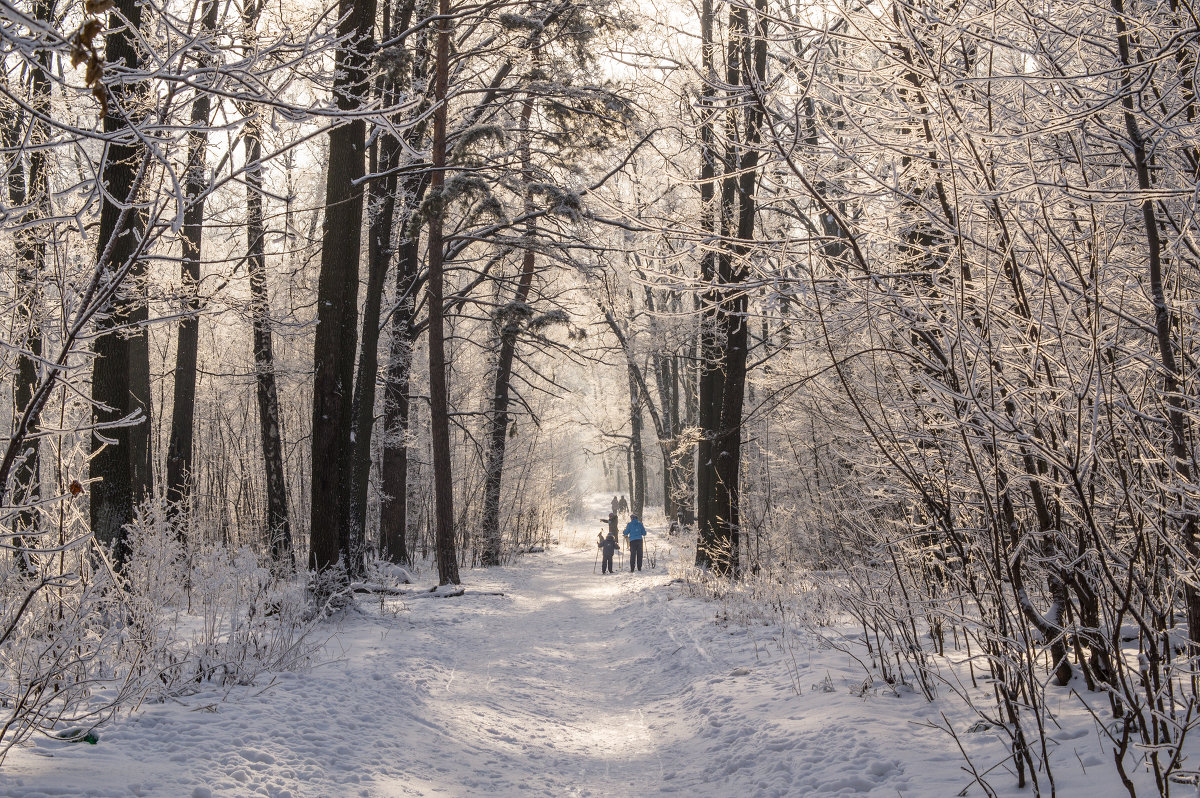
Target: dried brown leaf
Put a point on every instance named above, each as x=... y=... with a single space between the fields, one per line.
x=101 y=94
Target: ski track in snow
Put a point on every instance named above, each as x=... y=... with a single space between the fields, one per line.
x=570 y=684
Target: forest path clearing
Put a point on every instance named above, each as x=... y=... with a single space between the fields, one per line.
x=548 y=689
x=569 y=684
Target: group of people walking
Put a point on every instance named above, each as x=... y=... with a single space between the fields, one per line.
x=634 y=533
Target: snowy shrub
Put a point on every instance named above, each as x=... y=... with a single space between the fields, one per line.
x=156 y=573
x=79 y=642
x=207 y=612
x=381 y=572
x=64 y=656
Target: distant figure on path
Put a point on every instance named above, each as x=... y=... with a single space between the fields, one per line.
x=634 y=532
x=608 y=545
x=623 y=507
x=616 y=505
x=612 y=524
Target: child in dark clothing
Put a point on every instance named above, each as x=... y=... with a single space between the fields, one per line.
x=608 y=546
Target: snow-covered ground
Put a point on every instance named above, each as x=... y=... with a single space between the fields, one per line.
x=546 y=679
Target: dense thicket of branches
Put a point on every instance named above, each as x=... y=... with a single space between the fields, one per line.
x=973 y=249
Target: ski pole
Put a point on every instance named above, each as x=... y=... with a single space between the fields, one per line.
x=596 y=559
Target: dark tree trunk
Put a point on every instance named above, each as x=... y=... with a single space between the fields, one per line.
x=509 y=322
x=382 y=202
x=709 y=378
x=382 y=214
x=720 y=519
x=681 y=473
x=393 y=471
x=337 y=300
x=121 y=368
x=279 y=527
x=637 y=494
x=498 y=436
x=728 y=449
x=666 y=380
x=30 y=245
x=662 y=380
x=393 y=467
x=183 y=410
x=31 y=254
x=439 y=400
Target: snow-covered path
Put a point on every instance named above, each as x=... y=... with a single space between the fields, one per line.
x=548 y=689
x=569 y=683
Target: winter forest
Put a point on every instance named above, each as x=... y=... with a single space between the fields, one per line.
x=328 y=330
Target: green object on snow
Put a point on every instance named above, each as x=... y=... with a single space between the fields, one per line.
x=78 y=735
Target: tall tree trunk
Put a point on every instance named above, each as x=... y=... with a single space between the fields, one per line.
x=728 y=449
x=662 y=380
x=183 y=410
x=709 y=379
x=667 y=384
x=393 y=469
x=337 y=299
x=279 y=527
x=725 y=455
x=509 y=320
x=383 y=199
x=30 y=244
x=745 y=66
x=637 y=494
x=121 y=368
x=382 y=214
x=30 y=257
x=439 y=400
x=497 y=439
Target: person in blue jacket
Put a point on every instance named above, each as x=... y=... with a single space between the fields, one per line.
x=634 y=532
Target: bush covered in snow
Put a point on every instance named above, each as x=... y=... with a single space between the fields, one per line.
x=80 y=640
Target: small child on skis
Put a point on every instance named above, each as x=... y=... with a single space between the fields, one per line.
x=608 y=546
